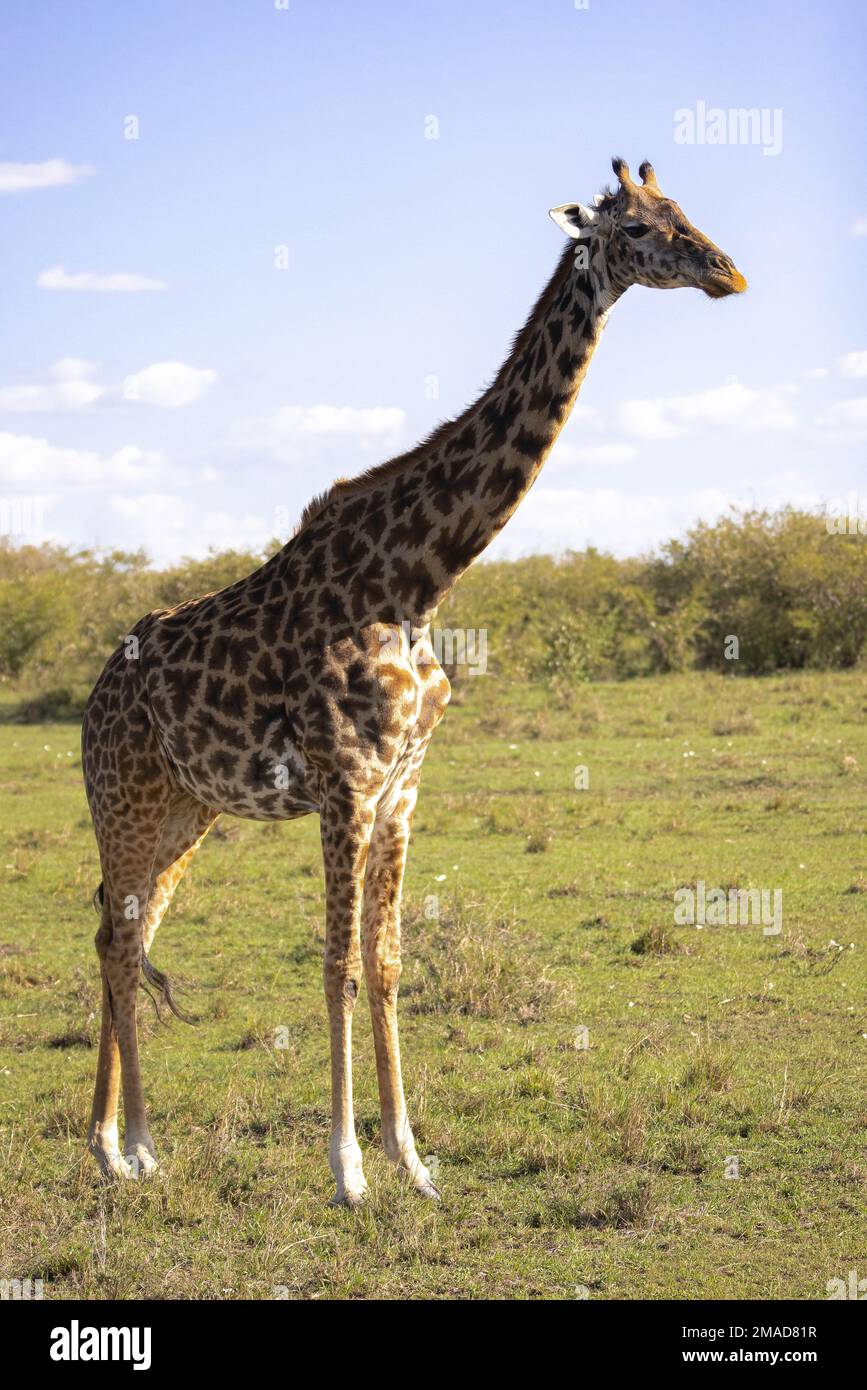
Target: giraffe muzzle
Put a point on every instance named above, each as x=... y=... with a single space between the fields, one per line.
x=722 y=278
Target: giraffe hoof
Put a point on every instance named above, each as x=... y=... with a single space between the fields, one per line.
x=140 y=1163
x=413 y=1172
x=112 y=1165
x=350 y=1197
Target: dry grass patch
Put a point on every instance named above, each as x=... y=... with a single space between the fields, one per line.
x=729 y=725
x=475 y=962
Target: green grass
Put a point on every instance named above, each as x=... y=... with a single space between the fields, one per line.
x=563 y=1168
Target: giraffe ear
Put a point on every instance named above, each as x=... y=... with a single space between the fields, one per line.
x=574 y=219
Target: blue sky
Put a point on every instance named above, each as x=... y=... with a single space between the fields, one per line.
x=165 y=382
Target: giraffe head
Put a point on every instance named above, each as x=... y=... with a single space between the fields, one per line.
x=647 y=240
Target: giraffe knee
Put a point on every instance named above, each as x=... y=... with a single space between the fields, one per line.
x=383 y=977
x=342 y=982
x=388 y=984
x=123 y=949
x=382 y=960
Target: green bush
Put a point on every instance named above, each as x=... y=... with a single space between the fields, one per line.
x=791 y=591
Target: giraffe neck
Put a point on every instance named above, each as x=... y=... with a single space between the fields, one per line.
x=391 y=544
x=458 y=491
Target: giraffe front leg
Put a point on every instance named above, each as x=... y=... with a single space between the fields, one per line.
x=382 y=889
x=346 y=822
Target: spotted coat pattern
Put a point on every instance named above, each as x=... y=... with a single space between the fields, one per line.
x=311 y=685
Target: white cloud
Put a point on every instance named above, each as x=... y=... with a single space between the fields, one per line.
x=647 y=419
x=554 y=519
x=853 y=364
x=291 y=432
x=731 y=405
x=33 y=464
x=609 y=518
x=340 y=420
x=51 y=173
x=845 y=422
x=72 y=368
x=168 y=526
x=71 y=390
x=565 y=455
x=169 y=384
x=586 y=415
x=165 y=384
x=859 y=227
x=57 y=277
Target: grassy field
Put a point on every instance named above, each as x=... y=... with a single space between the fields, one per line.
x=534 y=910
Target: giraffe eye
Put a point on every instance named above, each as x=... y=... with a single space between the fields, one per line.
x=636 y=229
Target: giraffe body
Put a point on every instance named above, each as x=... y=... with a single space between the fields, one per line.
x=312 y=685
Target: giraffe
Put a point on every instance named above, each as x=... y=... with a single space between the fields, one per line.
x=311 y=685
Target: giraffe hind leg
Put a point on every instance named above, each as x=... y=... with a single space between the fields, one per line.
x=122 y=945
x=102 y=1136
x=127 y=868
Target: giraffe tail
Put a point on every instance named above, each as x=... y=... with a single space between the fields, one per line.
x=161 y=983
x=154 y=978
